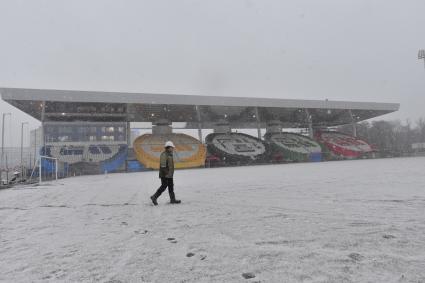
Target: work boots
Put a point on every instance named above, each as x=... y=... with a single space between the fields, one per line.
x=173 y=199
x=153 y=198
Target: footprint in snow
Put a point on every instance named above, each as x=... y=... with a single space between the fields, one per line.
x=356 y=256
x=248 y=275
x=388 y=236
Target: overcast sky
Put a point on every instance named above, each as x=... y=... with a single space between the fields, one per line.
x=358 y=50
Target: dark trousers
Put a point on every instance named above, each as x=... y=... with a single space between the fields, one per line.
x=166 y=182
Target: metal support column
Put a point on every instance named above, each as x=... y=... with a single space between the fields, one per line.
x=43 y=113
x=128 y=135
x=353 y=123
x=257 y=116
x=310 y=123
x=43 y=136
x=128 y=128
x=198 y=112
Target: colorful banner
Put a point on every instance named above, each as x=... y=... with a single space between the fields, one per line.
x=236 y=146
x=344 y=145
x=294 y=147
x=189 y=152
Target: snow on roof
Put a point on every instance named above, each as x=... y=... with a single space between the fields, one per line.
x=178 y=99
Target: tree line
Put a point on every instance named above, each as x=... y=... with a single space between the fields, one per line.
x=392 y=137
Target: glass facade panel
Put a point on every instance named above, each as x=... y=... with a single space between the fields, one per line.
x=84 y=132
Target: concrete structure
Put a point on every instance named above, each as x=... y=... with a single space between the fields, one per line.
x=198 y=112
x=91 y=129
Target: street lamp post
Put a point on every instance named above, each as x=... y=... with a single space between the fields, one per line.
x=35 y=146
x=22 y=147
x=2 y=145
x=421 y=55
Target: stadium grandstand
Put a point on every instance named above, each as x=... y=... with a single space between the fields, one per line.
x=90 y=132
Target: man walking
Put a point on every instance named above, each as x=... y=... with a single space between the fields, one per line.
x=166 y=172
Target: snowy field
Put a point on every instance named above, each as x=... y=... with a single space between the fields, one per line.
x=346 y=221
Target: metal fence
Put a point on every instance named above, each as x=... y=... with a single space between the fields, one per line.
x=217 y=151
x=15 y=160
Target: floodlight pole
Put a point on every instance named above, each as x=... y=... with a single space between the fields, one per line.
x=35 y=146
x=2 y=143
x=22 y=147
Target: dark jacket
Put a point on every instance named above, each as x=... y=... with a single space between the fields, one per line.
x=166 y=165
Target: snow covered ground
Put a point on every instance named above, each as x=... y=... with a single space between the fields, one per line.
x=346 y=221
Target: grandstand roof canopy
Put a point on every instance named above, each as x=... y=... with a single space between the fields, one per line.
x=240 y=112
